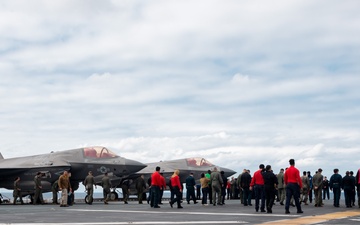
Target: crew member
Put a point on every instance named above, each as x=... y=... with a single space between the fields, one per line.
x=293 y=184
x=155 y=188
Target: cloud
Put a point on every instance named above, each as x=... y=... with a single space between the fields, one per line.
x=240 y=79
x=237 y=83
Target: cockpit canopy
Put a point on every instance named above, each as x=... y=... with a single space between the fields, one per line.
x=98 y=152
x=198 y=162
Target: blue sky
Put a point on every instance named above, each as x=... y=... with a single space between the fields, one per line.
x=238 y=82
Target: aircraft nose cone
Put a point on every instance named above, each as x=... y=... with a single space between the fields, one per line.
x=227 y=172
x=133 y=166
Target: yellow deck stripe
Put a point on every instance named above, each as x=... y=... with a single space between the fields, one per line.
x=316 y=219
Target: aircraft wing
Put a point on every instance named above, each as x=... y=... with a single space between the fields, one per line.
x=16 y=166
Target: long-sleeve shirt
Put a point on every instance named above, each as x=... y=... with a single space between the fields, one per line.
x=257 y=178
x=204 y=182
x=163 y=182
x=156 y=179
x=335 y=181
x=64 y=182
x=175 y=182
x=292 y=175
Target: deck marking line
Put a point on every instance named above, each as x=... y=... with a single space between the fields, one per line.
x=192 y=213
x=316 y=219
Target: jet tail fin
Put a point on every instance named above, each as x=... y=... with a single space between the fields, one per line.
x=1 y=157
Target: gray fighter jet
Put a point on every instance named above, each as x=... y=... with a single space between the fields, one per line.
x=79 y=162
x=196 y=165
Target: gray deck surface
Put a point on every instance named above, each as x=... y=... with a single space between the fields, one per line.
x=133 y=213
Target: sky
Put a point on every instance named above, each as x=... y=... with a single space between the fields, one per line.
x=237 y=82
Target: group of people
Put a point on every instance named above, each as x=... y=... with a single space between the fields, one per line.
x=62 y=184
x=213 y=184
x=37 y=198
x=290 y=187
x=286 y=186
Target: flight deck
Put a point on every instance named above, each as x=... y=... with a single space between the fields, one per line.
x=133 y=213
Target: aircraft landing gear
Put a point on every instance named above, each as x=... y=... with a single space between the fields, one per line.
x=114 y=196
x=88 y=200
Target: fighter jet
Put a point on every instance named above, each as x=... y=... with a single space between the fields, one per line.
x=79 y=162
x=196 y=165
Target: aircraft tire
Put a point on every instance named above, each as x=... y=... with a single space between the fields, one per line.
x=87 y=200
x=114 y=196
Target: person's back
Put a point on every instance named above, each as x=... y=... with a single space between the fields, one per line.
x=245 y=180
x=280 y=178
x=317 y=181
x=281 y=186
x=270 y=180
x=215 y=178
x=348 y=182
x=257 y=185
x=216 y=183
x=190 y=187
x=270 y=183
x=335 y=185
x=348 y=185
x=89 y=181
x=156 y=183
x=304 y=192
x=190 y=181
x=318 y=184
x=293 y=184
x=54 y=190
x=105 y=182
x=305 y=181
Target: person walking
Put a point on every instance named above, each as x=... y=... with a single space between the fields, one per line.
x=17 y=191
x=125 y=190
x=257 y=184
x=348 y=185
x=89 y=183
x=281 y=186
x=106 y=185
x=38 y=197
x=176 y=188
x=190 y=188
x=55 y=190
x=293 y=184
x=162 y=187
x=156 y=183
x=270 y=185
x=140 y=186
